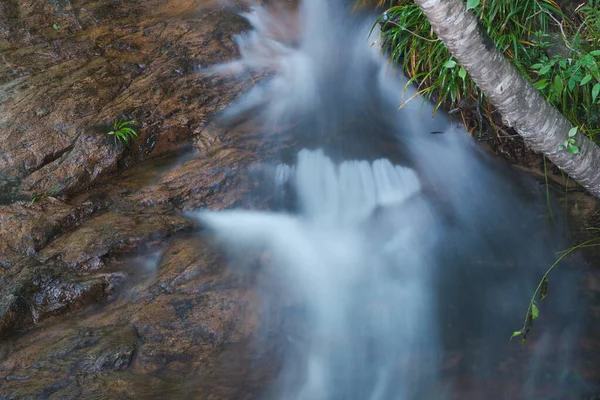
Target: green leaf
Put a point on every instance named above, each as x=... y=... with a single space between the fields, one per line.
x=539 y=85
x=472 y=4
x=56 y=27
x=462 y=73
x=595 y=91
x=573 y=131
x=561 y=147
x=450 y=64
x=595 y=53
x=571 y=141
x=544 y=70
x=573 y=149
x=587 y=60
x=535 y=312
x=544 y=289
x=516 y=333
x=558 y=85
x=537 y=66
x=585 y=80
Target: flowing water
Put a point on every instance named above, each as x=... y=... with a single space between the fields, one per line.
x=408 y=255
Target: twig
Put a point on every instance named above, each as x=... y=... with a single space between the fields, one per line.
x=562 y=31
x=563 y=254
x=412 y=33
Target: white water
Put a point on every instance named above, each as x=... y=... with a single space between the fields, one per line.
x=355 y=257
x=387 y=261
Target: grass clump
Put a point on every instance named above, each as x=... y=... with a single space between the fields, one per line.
x=559 y=55
x=123 y=132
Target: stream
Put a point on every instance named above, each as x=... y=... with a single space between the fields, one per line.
x=315 y=242
x=394 y=264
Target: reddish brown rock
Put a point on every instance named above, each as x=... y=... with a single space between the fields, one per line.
x=68 y=358
x=101 y=293
x=111 y=232
x=30 y=292
x=26 y=227
x=60 y=89
x=195 y=324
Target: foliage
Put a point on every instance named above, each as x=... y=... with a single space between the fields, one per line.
x=590 y=14
x=123 y=132
x=569 y=144
x=40 y=195
x=572 y=83
x=541 y=291
x=527 y=32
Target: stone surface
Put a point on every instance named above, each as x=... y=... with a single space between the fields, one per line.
x=110 y=232
x=26 y=227
x=105 y=292
x=68 y=359
x=35 y=292
x=60 y=89
x=190 y=322
x=122 y=254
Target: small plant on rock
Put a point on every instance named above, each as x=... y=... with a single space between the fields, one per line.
x=40 y=195
x=123 y=132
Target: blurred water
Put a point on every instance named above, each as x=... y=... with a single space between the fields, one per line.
x=356 y=258
x=404 y=247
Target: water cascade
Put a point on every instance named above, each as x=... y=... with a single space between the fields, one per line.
x=404 y=247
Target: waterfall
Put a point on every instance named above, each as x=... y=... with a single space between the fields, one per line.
x=404 y=245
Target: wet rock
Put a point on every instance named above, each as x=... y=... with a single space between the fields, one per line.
x=181 y=270
x=52 y=250
x=68 y=359
x=37 y=292
x=195 y=325
x=181 y=328
x=69 y=69
x=79 y=165
x=55 y=295
x=14 y=308
x=25 y=227
x=216 y=182
x=110 y=232
x=220 y=175
x=60 y=278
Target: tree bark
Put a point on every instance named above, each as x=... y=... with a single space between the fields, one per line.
x=522 y=107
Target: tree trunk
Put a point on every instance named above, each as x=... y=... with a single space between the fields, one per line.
x=522 y=107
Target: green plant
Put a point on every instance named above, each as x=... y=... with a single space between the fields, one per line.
x=428 y=63
x=572 y=84
x=40 y=195
x=541 y=291
x=569 y=144
x=590 y=27
x=35 y=198
x=423 y=57
x=558 y=56
x=123 y=132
